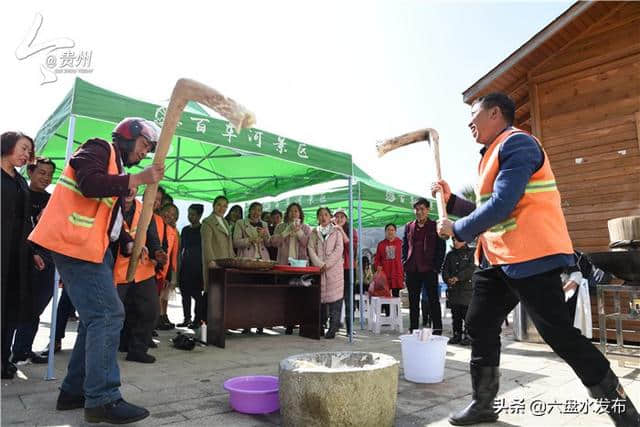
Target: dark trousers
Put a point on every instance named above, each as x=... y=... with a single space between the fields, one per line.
x=65 y=310
x=458 y=313
x=187 y=294
x=416 y=282
x=42 y=284
x=141 y=309
x=495 y=295
x=348 y=302
x=331 y=312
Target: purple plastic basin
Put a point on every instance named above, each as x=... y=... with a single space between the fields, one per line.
x=255 y=394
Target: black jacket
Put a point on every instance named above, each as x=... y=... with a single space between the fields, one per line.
x=459 y=263
x=17 y=254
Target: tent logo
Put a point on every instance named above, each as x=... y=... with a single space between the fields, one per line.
x=57 y=54
x=160 y=114
x=390 y=197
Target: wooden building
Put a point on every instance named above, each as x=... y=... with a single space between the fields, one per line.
x=576 y=85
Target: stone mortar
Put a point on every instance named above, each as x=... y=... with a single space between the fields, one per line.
x=338 y=389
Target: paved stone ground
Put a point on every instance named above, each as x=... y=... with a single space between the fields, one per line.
x=185 y=388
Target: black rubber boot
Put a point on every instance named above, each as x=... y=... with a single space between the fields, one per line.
x=618 y=405
x=117 y=412
x=485 y=381
x=67 y=401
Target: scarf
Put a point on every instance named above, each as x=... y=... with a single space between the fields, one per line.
x=222 y=224
x=324 y=231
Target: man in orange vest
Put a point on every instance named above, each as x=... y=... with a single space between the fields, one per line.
x=523 y=246
x=82 y=227
x=166 y=277
x=139 y=297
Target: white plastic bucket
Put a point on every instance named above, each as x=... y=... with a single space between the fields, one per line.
x=423 y=361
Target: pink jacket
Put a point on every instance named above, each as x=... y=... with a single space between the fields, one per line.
x=242 y=244
x=282 y=243
x=329 y=253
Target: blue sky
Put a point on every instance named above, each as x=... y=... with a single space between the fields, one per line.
x=342 y=75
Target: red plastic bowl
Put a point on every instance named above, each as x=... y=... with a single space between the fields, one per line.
x=255 y=394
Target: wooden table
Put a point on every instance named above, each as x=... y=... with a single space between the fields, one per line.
x=256 y=299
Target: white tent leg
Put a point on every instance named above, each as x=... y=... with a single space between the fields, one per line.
x=361 y=273
x=350 y=313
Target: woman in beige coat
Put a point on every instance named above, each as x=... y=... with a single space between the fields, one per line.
x=251 y=235
x=325 y=251
x=216 y=237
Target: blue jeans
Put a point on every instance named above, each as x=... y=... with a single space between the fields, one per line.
x=93 y=368
x=42 y=282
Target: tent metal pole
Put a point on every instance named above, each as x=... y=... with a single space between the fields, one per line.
x=360 y=272
x=50 y=374
x=70 y=134
x=350 y=295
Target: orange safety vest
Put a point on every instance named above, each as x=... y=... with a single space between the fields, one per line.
x=536 y=227
x=172 y=249
x=145 y=269
x=75 y=225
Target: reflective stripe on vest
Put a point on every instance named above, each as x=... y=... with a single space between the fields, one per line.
x=145 y=269
x=75 y=225
x=72 y=185
x=536 y=227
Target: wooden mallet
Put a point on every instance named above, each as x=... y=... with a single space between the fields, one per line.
x=184 y=91
x=433 y=140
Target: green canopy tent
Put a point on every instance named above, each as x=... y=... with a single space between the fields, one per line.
x=207 y=157
x=378 y=205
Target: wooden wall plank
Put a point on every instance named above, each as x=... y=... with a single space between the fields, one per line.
x=593 y=46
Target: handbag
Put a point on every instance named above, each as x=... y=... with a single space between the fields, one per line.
x=183 y=342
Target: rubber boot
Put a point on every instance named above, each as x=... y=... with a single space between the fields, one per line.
x=485 y=381
x=618 y=405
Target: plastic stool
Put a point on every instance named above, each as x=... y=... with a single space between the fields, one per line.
x=394 y=319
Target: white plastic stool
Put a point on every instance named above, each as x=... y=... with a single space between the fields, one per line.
x=356 y=313
x=376 y=319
